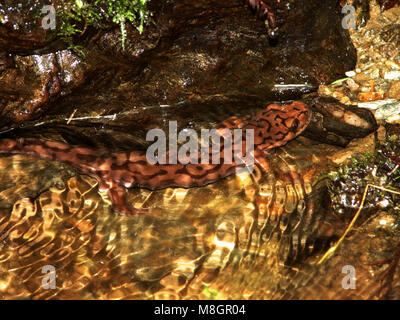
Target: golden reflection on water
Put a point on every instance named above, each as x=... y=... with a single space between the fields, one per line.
x=226 y=240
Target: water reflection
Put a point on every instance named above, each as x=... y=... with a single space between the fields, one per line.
x=244 y=237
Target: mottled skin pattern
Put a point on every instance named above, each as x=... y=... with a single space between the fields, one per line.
x=273 y=127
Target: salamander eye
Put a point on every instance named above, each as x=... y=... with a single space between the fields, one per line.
x=295 y=124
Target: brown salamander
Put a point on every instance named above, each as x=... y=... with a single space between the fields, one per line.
x=274 y=126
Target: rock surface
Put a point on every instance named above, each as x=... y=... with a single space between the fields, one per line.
x=194 y=59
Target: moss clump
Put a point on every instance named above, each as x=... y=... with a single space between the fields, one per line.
x=348 y=183
x=77 y=15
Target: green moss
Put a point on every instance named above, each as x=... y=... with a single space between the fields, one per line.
x=348 y=182
x=77 y=15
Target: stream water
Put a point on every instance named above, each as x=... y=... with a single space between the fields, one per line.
x=254 y=235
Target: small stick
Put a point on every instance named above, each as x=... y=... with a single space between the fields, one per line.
x=72 y=115
x=332 y=249
x=394 y=169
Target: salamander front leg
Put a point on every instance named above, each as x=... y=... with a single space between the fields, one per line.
x=117 y=195
x=261 y=159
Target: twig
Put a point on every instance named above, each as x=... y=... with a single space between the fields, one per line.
x=332 y=249
x=72 y=115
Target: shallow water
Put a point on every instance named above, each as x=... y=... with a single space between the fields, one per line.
x=240 y=229
x=255 y=236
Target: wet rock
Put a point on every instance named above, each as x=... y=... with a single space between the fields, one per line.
x=271 y=13
x=356 y=146
x=225 y=50
x=29 y=87
x=336 y=123
x=374 y=105
x=383 y=109
x=199 y=55
x=388 y=110
x=21 y=29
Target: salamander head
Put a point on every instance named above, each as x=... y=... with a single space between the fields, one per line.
x=282 y=123
x=298 y=117
x=288 y=120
